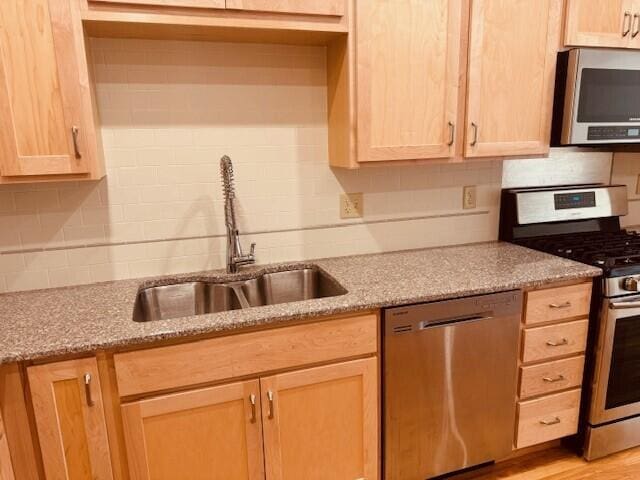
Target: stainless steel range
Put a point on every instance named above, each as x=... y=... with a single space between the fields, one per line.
x=583 y=223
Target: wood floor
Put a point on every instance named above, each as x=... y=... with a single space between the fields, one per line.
x=560 y=464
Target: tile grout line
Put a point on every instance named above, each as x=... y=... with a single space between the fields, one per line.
x=250 y=233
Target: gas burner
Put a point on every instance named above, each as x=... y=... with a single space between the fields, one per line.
x=618 y=253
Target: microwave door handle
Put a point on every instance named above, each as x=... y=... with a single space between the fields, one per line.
x=624 y=305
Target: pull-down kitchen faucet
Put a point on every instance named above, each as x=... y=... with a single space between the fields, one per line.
x=235 y=257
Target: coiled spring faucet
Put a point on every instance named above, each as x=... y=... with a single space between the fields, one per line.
x=235 y=257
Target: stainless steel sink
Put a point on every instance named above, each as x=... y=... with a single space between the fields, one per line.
x=198 y=298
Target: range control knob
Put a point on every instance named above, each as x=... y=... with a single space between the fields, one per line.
x=631 y=284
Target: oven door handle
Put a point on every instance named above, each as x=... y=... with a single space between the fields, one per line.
x=624 y=305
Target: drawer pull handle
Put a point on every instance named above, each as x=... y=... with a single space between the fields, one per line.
x=560 y=305
x=548 y=423
x=561 y=343
x=270 y=397
x=252 y=400
x=559 y=378
x=87 y=389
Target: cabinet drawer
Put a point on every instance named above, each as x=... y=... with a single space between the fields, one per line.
x=558 y=303
x=544 y=343
x=216 y=359
x=551 y=377
x=548 y=418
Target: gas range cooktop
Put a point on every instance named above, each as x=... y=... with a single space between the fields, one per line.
x=579 y=222
x=617 y=253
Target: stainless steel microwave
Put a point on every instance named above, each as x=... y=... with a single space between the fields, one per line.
x=602 y=97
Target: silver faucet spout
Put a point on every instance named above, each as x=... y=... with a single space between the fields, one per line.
x=235 y=257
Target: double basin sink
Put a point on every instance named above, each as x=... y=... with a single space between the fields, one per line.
x=202 y=297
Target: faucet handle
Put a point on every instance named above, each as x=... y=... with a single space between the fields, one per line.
x=252 y=251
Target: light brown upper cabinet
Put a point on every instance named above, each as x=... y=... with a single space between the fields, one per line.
x=46 y=115
x=511 y=75
x=602 y=23
x=69 y=413
x=443 y=79
x=306 y=7
x=213 y=433
x=407 y=78
x=321 y=423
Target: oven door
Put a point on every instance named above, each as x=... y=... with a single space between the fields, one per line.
x=602 y=104
x=617 y=376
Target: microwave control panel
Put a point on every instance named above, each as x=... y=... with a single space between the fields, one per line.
x=613 y=133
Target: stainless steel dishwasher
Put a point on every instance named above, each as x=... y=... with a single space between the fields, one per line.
x=450 y=379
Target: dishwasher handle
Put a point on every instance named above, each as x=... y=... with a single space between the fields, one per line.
x=448 y=321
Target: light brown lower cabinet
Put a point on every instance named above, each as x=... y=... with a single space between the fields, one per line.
x=316 y=423
x=6 y=468
x=214 y=434
x=69 y=414
x=321 y=423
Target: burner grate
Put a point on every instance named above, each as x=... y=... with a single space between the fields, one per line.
x=612 y=251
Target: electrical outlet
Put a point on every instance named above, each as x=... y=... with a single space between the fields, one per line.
x=469 y=197
x=351 y=205
x=638 y=186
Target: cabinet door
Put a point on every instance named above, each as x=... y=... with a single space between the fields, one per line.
x=41 y=107
x=322 y=423
x=67 y=404
x=407 y=78
x=6 y=469
x=512 y=63
x=308 y=7
x=172 y=3
x=598 y=23
x=209 y=434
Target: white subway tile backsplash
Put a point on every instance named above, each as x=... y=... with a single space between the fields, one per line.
x=63 y=277
x=27 y=280
x=169 y=111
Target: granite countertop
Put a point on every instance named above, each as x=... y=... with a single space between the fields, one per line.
x=48 y=323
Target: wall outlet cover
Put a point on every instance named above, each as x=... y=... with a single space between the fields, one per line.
x=469 y=197
x=351 y=205
x=638 y=186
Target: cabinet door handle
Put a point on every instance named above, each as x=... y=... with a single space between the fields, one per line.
x=559 y=378
x=270 y=398
x=626 y=24
x=560 y=305
x=548 y=423
x=636 y=26
x=87 y=389
x=252 y=400
x=452 y=134
x=553 y=343
x=474 y=142
x=75 y=131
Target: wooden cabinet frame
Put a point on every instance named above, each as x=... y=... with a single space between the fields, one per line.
x=44 y=74
x=69 y=414
x=476 y=142
x=272 y=387
x=134 y=415
x=615 y=37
